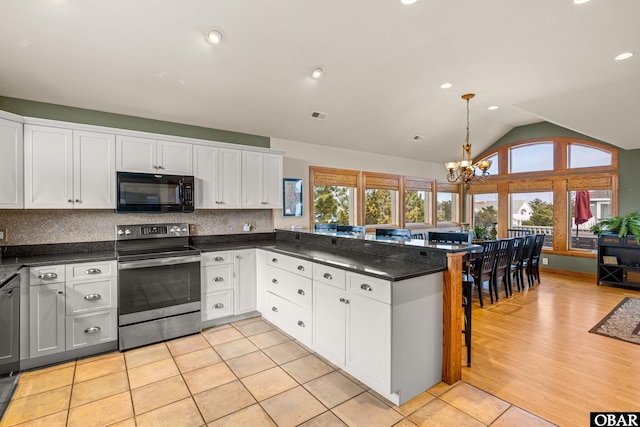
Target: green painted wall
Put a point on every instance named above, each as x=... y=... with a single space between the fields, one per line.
x=629 y=181
x=538 y=130
x=99 y=118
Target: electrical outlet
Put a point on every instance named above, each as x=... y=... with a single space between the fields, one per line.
x=545 y=261
x=3 y=235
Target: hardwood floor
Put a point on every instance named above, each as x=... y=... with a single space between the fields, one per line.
x=535 y=351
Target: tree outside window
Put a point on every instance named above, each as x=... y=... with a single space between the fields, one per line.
x=332 y=204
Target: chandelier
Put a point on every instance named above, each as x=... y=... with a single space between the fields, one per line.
x=464 y=171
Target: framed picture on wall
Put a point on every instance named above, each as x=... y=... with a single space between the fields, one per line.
x=291 y=197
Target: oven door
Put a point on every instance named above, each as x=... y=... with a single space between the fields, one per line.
x=151 y=289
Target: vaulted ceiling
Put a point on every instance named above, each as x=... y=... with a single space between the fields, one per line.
x=384 y=63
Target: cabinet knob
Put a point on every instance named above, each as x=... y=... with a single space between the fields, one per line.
x=70 y=200
x=218 y=279
x=60 y=292
x=221 y=202
x=301 y=268
x=300 y=292
x=275 y=309
x=342 y=300
x=328 y=276
x=48 y=276
x=92 y=330
x=274 y=260
x=218 y=258
x=78 y=201
x=92 y=297
x=93 y=271
x=366 y=287
x=218 y=305
x=274 y=281
x=160 y=167
x=301 y=323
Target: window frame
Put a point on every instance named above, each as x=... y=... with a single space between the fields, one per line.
x=413 y=183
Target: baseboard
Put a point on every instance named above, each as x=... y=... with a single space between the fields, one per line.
x=579 y=274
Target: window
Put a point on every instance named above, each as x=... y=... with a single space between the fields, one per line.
x=531 y=157
x=495 y=167
x=447 y=201
x=334 y=195
x=582 y=156
x=417 y=201
x=581 y=220
x=381 y=198
x=539 y=189
x=485 y=210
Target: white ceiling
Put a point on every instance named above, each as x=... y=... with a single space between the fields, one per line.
x=535 y=59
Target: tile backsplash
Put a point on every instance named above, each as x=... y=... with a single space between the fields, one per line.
x=34 y=226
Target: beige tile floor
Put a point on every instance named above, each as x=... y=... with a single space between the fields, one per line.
x=247 y=373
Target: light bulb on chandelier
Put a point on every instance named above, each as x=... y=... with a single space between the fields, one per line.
x=464 y=171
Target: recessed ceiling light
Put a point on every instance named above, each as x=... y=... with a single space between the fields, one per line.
x=446 y=85
x=214 y=36
x=623 y=56
x=317 y=72
x=493 y=107
x=407 y=2
x=580 y=1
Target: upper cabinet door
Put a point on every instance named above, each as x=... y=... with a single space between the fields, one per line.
x=11 y=165
x=252 y=175
x=205 y=160
x=174 y=158
x=229 y=178
x=48 y=167
x=94 y=170
x=136 y=154
x=272 y=181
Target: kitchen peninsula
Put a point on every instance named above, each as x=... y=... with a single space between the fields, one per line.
x=388 y=280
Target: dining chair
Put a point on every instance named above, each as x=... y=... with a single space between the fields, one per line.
x=356 y=230
x=533 y=270
x=394 y=233
x=450 y=237
x=482 y=268
x=327 y=228
x=516 y=261
x=502 y=266
x=527 y=253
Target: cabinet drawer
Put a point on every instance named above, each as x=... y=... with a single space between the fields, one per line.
x=292 y=319
x=89 y=270
x=290 y=286
x=46 y=274
x=370 y=287
x=88 y=329
x=329 y=275
x=216 y=278
x=82 y=297
x=292 y=264
x=208 y=259
x=216 y=305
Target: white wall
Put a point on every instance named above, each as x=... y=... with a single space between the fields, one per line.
x=300 y=155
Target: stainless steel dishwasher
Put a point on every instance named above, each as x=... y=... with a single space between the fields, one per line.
x=10 y=321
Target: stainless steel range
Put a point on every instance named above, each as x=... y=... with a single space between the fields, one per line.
x=158 y=284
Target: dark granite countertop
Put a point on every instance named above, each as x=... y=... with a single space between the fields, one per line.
x=11 y=265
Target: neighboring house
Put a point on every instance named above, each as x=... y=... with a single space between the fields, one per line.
x=521 y=211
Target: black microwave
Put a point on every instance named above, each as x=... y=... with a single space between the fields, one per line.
x=149 y=192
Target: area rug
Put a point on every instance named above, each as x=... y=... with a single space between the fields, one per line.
x=623 y=322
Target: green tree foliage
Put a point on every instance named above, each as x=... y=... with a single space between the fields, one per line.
x=444 y=211
x=378 y=206
x=413 y=206
x=486 y=216
x=542 y=213
x=331 y=205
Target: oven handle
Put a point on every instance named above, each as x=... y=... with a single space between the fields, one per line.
x=129 y=265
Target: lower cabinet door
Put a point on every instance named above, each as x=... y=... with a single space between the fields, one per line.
x=89 y=329
x=46 y=319
x=216 y=305
x=329 y=318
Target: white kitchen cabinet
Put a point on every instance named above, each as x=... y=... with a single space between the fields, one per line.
x=11 y=165
x=261 y=180
x=68 y=169
x=134 y=154
x=46 y=319
x=228 y=280
x=329 y=322
x=218 y=175
x=244 y=281
x=72 y=306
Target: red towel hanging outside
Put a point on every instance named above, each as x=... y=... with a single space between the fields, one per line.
x=582 y=212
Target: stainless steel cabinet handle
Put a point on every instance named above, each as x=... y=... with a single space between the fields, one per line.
x=92 y=330
x=93 y=271
x=218 y=258
x=218 y=279
x=301 y=323
x=328 y=276
x=274 y=281
x=274 y=260
x=92 y=297
x=301 y=268
x=218 y=305
x=48 y=276
x=274 y=309
x=300 y=292
x=366 y=287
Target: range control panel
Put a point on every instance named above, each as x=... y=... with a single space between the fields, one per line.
x=151 y=231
